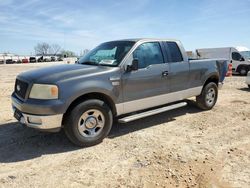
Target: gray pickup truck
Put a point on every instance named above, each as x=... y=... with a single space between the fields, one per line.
x=124 y=79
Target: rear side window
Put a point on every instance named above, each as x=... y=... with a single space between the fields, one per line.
x=174 y=51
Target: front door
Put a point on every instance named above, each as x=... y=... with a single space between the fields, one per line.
x=144 y=87
x=237 y=60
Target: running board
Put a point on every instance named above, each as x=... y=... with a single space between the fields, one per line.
x=151 y=112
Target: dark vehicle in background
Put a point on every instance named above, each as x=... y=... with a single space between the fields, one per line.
x=53 y=58
x=1 y=62
x=60 y=58
x=40 y=59
x=9 y=61
x=32 y=59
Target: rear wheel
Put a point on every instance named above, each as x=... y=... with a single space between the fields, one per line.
x=208 y=97
x=248 y=86
x=88 y=123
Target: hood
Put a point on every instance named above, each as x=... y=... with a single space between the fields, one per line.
x=57 y=73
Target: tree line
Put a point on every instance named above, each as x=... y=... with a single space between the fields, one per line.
x=55 y=49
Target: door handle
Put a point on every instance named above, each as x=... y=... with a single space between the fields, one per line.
x=165 y=73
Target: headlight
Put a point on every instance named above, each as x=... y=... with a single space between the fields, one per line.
x=44 y=91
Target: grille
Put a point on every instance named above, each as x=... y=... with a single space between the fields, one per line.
x=21 y=88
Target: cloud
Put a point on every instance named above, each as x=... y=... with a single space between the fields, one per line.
x=83 y=24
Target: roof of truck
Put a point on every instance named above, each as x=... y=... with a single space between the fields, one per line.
x=146 y=39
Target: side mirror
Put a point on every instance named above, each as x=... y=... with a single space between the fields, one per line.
x=134 y=66
x=242 y=59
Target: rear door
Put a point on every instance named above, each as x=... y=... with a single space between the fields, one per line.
x=144 y=88
x=178 y=68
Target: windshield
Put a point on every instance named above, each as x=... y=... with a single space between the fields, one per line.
x=107 y=54
x=246 y=54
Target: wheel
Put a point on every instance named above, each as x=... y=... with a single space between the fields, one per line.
x=208 y=97
x=248 y=86
x=88 y=123
x=243 y=71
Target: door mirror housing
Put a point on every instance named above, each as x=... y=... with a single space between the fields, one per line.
x=134 y=66
x=242 y=59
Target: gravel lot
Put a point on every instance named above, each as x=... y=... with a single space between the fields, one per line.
x=181 y=148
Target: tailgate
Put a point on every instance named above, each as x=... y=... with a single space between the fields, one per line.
x=222 y=68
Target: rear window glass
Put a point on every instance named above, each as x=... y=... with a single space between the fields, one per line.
x=174 y=51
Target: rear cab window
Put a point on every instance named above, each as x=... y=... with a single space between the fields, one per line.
x=174 y=52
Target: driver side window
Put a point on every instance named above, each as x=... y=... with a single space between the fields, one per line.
x=236 y=56
x=148 y=54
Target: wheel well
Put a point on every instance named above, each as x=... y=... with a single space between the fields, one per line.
x=88 y=96
x=241 y=66
x=214 y=79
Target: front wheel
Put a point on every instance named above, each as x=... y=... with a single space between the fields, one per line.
x=208 y=97
x=243 y=71
x=88 y=123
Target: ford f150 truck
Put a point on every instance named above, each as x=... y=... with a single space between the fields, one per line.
x=125 y=79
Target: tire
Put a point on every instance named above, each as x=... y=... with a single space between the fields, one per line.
x=208 y=97
x=88 y=123
x=248 y=86
x=243 y=71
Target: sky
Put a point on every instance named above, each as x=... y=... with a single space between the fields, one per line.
x=83 y=24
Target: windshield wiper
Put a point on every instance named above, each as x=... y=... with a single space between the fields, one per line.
x=89 y=63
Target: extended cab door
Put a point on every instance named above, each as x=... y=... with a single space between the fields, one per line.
x=178 y=68
x=144 y=87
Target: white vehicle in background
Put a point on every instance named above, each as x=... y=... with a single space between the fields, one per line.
x=47 y=58
x=248 y=79
x=244 y=51
x=240 y=64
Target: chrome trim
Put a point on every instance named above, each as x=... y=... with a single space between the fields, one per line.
x=149 y=102
x=47 y=122
x=151 y=112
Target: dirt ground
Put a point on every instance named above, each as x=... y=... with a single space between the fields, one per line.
x=181 y=148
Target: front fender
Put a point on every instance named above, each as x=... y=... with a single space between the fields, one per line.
x=93 y=86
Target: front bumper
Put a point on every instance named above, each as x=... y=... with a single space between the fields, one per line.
x=51 y=123
x=47 y=122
